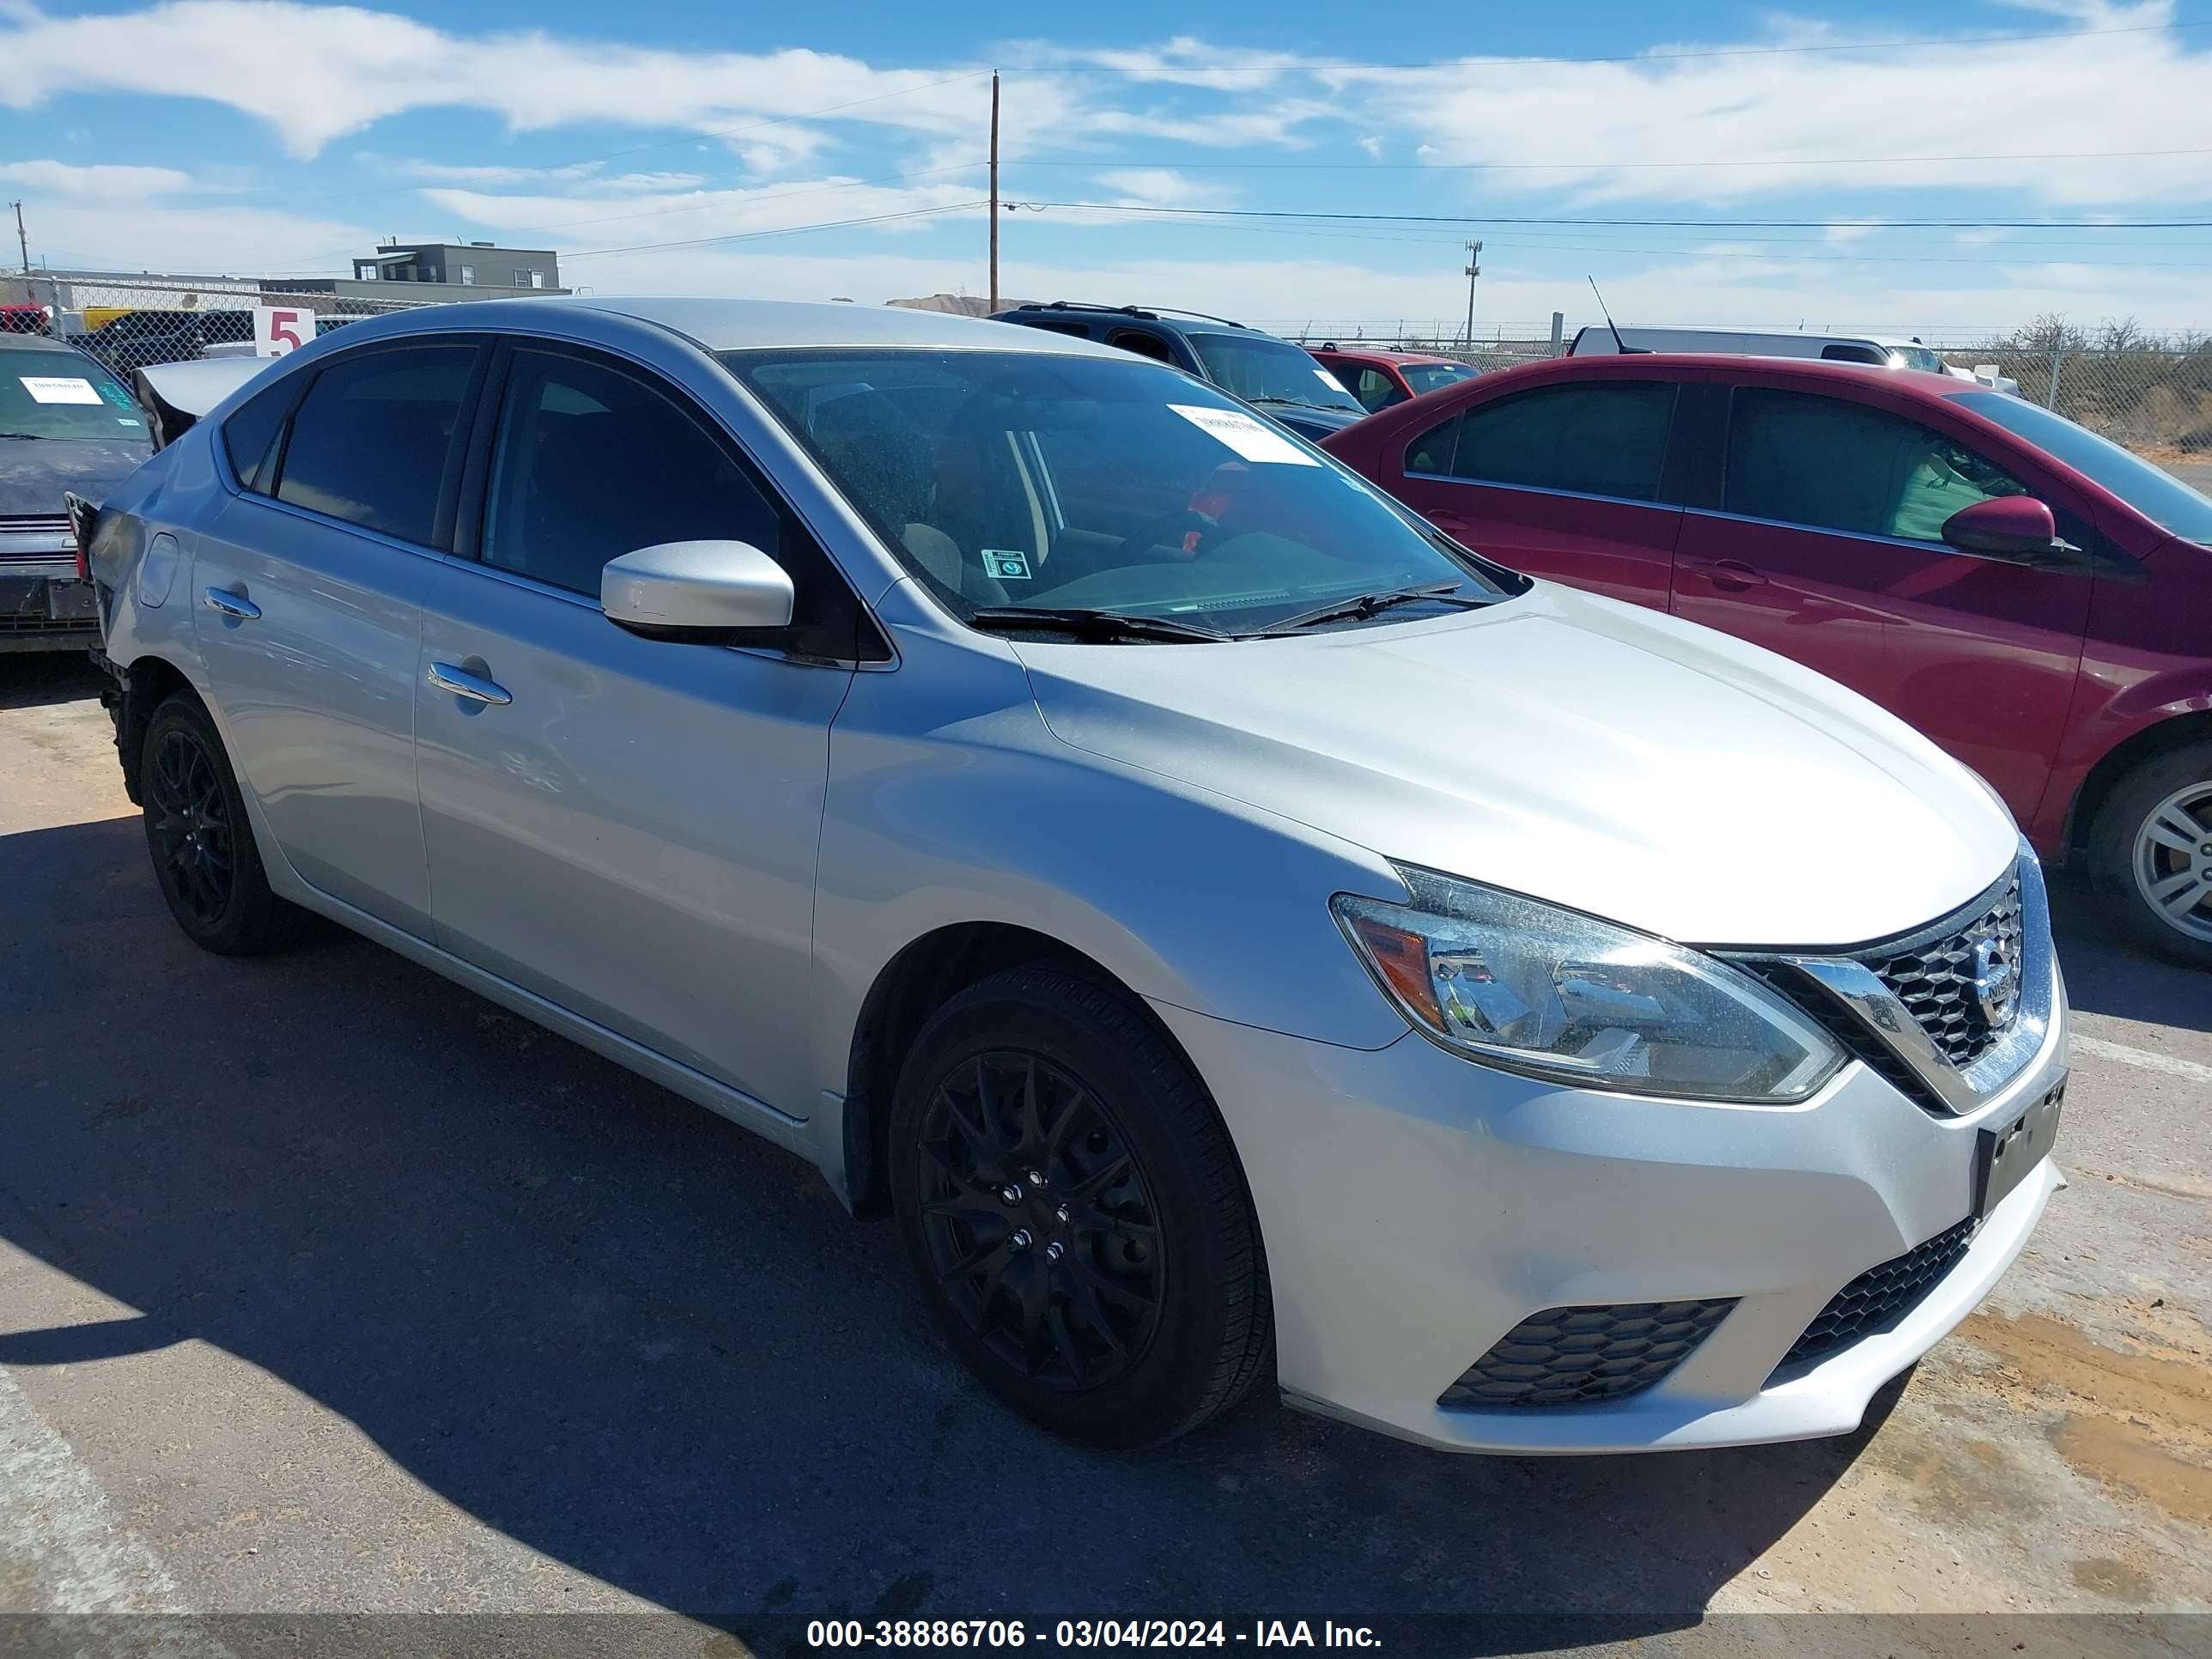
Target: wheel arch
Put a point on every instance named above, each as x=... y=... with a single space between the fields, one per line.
x=2174 y=731
x=144 y=687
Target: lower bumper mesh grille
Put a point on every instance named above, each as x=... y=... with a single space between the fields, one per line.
x=1881 y=1297
x=1578 y=1356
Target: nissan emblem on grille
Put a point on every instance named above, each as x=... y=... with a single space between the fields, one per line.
x=1996 y=981
x=1961 y=981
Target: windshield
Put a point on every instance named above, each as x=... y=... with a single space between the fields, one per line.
x=2156 y=494
x=1917 y=356
x=64 y=394
x=1052 y=482
x=1427 y=377
x=1262 y=369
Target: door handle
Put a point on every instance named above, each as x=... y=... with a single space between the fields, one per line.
x=1730 y=575
x=231 y=604
x=462 y=683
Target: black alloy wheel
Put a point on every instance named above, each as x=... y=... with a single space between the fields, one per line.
x=189 y=824
x=1074 y=1211
x=1041 y=1226
x=200 y=841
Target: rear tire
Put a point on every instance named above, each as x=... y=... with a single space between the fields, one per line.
x=2150 y=854
x=1074 y=1212
x=201 y=841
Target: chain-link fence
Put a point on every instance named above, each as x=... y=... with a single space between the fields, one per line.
x=129 y=325
x=2150 y=392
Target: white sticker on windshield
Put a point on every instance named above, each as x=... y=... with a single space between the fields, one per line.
x=58 y=389
x=1329 y=379
x=1244 y=434
x=1008 y=565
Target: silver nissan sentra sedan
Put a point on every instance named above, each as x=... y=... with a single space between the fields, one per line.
x=1234 y=927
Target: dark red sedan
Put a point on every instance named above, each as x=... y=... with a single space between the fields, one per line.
x=2035 y=598
x=1381 y=380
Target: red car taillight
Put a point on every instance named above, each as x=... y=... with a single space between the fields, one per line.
x=82 y=513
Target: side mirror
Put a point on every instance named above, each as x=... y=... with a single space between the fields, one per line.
x=2016 y=528
x=680 y=589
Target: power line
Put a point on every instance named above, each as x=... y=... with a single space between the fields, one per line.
x=1487 y=219
x=1170 y=72
x=1596 y=166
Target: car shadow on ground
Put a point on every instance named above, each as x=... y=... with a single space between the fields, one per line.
x=655 y=1348
x=33 y=679
x=2106 y=973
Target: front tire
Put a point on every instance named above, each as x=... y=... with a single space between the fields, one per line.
x=1074 y=1212
x=201 y=843
x=2151 y=853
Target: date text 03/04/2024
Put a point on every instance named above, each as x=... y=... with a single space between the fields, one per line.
x=999 y=1633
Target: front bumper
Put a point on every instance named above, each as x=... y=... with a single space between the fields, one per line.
x=1416 y=1206
x=43 y=605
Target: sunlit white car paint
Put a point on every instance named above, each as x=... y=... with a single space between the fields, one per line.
x=1182 y=816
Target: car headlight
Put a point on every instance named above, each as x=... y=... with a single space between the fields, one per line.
x=1566 y=997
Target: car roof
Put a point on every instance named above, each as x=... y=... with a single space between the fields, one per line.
x=736 y=325
x=1340 y=350
x=11 y=341
x=1616 y=365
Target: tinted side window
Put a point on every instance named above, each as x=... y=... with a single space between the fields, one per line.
x=1143 y=342
x=591 y=463
x=1373 y=388
x=1432 y=452
x=1608 y=439
x=1852 y=354
x=1840 y=466
x=250 y=435
x=372 y=437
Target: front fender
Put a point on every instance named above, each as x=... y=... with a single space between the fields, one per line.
x=949 y=802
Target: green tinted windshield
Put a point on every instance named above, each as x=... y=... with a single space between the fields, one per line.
x=2154 y=493
x=61 y=394
x=1045 y=481
x=1262 y=369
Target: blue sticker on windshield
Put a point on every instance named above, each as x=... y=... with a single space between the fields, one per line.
x=1007 y=566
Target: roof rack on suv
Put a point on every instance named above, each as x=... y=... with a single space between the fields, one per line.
x=1153 y=312
x=1080 y=305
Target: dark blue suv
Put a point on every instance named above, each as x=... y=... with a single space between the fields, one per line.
x=1272 y=375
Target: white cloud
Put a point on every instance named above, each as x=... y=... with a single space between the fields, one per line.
x=1373 y=146
x=103 y=183
x=1716 y=128
x=1846 y=232
x=571 y=221
x=1164 y=187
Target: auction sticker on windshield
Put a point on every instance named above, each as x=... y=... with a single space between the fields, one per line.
x=1244 y=434
x=58 y=389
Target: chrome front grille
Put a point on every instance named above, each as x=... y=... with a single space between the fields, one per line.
x=1947 y=1014
x=1961 y=983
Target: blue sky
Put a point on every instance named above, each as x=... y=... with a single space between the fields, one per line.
x=643 y=142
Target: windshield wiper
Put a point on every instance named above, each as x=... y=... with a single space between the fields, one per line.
x=34 y=437
x=1361 y=605
x=1300 y=403
x=1088 y=624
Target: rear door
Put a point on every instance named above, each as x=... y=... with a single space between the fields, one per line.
x=1568 y=479
x=1825 y=544
x=307 y=591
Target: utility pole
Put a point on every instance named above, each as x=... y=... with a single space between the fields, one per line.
x=21 y=240
x=995 y=190
x=1473 y=271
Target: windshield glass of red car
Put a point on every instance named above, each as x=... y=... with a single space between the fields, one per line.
x=2156 y=494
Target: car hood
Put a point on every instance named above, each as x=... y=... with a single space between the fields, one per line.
x=33 y=473
x=1310 y=422
x=1591 y=753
